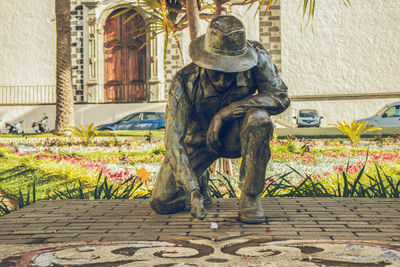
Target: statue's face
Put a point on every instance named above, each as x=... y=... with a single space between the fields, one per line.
x=221 y=79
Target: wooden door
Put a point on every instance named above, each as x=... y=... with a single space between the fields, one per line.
x=124 y=62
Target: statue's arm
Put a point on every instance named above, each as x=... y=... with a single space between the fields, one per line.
x=272 y=92
x=177 y=117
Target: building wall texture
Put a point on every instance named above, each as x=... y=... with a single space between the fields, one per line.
x=344 y=50
x=27 y=43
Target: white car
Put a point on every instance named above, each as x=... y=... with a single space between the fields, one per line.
x=389 y=115
x=308 y=118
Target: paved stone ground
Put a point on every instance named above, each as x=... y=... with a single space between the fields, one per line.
x=297 y=232
x=133 y=220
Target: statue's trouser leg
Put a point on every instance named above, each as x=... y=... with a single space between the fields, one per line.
x=255 y=135
x=166 y=197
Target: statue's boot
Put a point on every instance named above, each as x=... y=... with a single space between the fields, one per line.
x=197 y=205
x=250 y=209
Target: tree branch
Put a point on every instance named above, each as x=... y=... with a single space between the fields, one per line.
x=181 y=28
x=207 y=16
x=176 y=10
x=245 y=2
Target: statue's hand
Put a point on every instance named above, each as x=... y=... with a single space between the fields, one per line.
x=226 y=114
x=197 y=206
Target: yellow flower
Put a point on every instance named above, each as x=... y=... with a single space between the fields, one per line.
x=142 y=174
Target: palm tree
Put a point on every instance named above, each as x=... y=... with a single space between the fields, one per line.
x=64 y=89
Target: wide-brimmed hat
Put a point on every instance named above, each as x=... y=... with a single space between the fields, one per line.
x=224 y=47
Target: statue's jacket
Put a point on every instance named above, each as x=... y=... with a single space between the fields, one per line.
x=193 y=100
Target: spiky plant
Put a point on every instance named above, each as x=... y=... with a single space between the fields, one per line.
x=87 y=134
x=355 y=129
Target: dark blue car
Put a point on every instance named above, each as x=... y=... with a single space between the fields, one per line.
x=137 y=121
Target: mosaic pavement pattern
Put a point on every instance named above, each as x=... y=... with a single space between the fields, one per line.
x=297 y=232
x=236 y=251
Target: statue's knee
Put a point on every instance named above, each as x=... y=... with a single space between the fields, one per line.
x=258 y=120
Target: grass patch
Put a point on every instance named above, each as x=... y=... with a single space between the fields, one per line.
x=154 y=133
x=17 y=177
x=139 y=133
x=28 y=135
x=376 y=183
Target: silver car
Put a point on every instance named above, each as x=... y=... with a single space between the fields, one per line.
x=308 y=118
x=389 y=115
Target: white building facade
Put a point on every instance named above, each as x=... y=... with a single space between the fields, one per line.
x=346 y=65
x=346 y=62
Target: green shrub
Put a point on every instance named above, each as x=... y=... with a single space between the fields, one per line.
x=159 y=150
x=103 y=190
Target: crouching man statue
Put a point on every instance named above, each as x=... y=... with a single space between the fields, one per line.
x=219 y=106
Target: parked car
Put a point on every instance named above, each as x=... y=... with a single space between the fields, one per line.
x=389 y=115
x=308 y=118
x=137 y=121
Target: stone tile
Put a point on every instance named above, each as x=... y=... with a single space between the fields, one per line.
x=119 y=220
x=14 y=237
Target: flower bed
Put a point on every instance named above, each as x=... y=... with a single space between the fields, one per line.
x=118 y=163
x=292 y=160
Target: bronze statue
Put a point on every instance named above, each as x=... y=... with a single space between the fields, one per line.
x=219 y=106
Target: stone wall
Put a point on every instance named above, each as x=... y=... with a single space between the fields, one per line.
x=270 y=31
x=173 y=60
x=77 y=49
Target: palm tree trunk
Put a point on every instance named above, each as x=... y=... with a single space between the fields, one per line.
x=192 y=12
x=64 y=90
